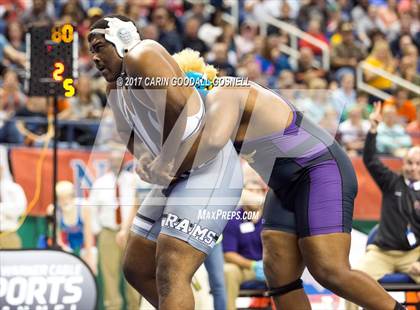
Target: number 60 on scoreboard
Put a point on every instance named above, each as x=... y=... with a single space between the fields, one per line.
x=52 y=54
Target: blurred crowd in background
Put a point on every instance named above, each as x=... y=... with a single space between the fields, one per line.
x=384 y=34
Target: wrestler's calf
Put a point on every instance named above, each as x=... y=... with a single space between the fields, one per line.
x=139 y=267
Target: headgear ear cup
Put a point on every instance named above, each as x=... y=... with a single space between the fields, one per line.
x=122 y=34
x=125 y=36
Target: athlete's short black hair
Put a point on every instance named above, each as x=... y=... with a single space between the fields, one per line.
x=103 y=24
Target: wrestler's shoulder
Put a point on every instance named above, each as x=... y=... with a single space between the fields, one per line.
x=144 y=48
x=144 y=54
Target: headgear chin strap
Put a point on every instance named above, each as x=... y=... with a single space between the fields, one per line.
x=122 y=34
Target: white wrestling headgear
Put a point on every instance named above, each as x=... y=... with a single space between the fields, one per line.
x=122 y=34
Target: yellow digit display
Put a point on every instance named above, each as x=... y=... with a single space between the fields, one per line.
x=65 y=34
x=58 y=71
x=68 y=86
x=56 y=34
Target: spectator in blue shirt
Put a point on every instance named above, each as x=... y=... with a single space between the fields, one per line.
x=9 y=52
x=169 y=35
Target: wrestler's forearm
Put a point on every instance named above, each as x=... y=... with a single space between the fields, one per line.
x=197 y=154
x=220 y=122
x=136 y=147
x=207 y=152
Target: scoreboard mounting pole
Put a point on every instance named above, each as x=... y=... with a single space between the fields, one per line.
x=52 y=59
x=55 y=171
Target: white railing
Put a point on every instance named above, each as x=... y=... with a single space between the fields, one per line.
x=235 y=12
x=233 y=17
x=293 y=51
x=295 y=34
x=364 y=66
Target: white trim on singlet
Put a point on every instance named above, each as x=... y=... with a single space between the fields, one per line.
x=194 y=121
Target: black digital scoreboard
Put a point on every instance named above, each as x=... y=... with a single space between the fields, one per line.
x=52 y=54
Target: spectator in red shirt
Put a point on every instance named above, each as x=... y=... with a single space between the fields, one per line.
x=314 y=29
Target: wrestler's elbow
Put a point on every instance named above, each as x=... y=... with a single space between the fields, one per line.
x=216 y=143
